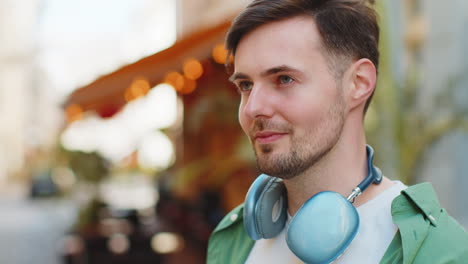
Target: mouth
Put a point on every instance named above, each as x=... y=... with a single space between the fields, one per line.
x=266 y=137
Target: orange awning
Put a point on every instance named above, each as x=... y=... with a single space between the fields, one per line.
x=106 y=94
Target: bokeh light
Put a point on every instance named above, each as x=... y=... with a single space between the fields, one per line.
x=118 y=137
x=156 y=151
x=189 y=86
x=165 y=243
x=193 y=69
x=137 y=89
x=220 y=53
x=118 y=244
x=175 y=79
x=128 y=191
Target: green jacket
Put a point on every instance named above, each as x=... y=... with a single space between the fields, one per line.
x=426 y=233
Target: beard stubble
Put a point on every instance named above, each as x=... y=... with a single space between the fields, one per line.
x=304 y=152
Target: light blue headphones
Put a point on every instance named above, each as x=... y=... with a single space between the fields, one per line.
x=321 y=229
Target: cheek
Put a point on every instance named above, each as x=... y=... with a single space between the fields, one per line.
x=243 y=119
x=304 y=113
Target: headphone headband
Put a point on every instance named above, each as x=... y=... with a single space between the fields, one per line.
x=374 y=175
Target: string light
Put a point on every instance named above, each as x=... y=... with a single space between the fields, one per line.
x=193 y=69
x=138 y=88
x=189 y=86
x=220 y=54
x=183 y=84
x=175 y=79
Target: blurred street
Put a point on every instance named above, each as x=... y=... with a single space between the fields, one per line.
x=31 y=230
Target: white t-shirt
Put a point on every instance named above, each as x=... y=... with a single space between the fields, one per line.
x=376 y=231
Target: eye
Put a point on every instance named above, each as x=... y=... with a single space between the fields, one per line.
x=244 y=86
x=285 y=79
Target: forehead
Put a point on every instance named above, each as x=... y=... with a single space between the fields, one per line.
x=293 y=41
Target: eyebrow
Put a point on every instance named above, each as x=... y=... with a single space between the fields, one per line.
x=271 y=71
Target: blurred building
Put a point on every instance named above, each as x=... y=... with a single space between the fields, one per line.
x=429 y=64
x=196 y=15
x=22 y=103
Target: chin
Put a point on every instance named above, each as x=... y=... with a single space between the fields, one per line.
x=272 y=165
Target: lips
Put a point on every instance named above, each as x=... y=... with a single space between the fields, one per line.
x=265 y=137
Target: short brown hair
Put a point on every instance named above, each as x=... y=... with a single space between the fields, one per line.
x=348 y=28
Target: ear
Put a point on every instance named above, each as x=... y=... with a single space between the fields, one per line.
x=363 y=78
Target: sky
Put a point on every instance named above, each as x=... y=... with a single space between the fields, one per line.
x=81 y=40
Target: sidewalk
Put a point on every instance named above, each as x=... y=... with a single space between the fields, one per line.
x=30 y=230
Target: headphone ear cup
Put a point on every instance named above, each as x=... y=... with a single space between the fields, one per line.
x=271 y=209
x=265 y=207
x=322 y=228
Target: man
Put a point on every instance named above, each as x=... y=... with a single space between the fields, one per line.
x=306 y=71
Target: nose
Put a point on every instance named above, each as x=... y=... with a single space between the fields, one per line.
x=257 y=103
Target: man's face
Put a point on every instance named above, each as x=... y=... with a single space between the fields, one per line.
x=292 y=107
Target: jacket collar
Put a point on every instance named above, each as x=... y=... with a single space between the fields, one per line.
x=406 y=212
x=234 y=217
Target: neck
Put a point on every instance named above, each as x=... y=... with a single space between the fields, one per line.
x=341 y=170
